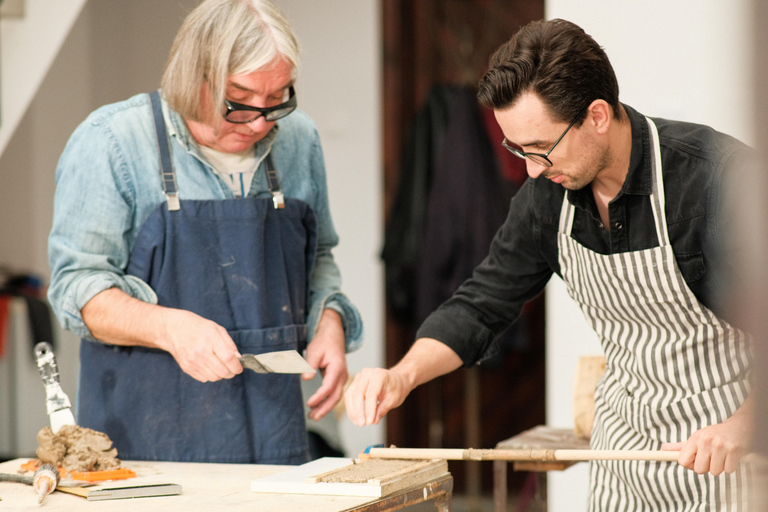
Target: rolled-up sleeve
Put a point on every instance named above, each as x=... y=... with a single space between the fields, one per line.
x=325 y=283
x=88 y=246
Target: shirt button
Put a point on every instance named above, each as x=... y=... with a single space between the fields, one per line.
x=618 y=225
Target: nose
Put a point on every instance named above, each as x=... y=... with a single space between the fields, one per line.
x=258 y=125
x=534 y=169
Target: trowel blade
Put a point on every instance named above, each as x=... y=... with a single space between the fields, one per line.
x=60 y=418
x=285 y=361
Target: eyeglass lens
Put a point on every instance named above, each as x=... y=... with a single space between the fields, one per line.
x=239 y=113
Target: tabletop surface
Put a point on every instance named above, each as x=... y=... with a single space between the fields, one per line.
x=204 y=487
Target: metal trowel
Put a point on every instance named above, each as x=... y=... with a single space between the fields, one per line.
x=285 y=361
x=57 y=402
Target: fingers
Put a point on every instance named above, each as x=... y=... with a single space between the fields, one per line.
x=203 y=349
x=330 y=392
x=324 y=400
x=709 y=450
x=364 y=397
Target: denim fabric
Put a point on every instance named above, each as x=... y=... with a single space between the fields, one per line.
x=108 y=181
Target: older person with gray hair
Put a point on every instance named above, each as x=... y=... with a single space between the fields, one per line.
x=192 y=225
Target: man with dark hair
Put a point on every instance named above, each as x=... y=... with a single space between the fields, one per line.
x=626 y=210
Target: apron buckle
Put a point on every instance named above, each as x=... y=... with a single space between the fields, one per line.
x=173 y=201
x=278 y=199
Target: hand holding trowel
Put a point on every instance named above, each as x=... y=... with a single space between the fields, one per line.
x=285 y=361
x=57 y=402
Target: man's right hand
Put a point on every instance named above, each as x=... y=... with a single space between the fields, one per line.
x=202 y=348
x=375 y=391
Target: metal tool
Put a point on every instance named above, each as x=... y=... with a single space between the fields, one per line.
x=45 y=480
x=286 y=361
x=136 y=491
x=57 y=402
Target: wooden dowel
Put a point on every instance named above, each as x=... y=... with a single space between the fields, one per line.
x=533 y=455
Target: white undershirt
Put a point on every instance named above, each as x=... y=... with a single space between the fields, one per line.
x=236 y=169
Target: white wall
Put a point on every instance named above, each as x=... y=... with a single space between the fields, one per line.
x=340 y=84
x=29 y=45
x=687 y=60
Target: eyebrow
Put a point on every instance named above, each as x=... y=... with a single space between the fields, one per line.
x=241 y=87
x=535 y=143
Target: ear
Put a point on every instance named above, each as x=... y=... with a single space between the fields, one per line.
x=600 y=116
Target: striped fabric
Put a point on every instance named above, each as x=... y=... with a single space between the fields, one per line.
x=672 y=369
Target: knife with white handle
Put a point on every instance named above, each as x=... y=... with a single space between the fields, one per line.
x=57 y=402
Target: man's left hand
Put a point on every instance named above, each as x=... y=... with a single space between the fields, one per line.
x=716 y=448
x=327 y=353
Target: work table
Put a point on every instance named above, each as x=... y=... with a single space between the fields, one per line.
x=207 y=487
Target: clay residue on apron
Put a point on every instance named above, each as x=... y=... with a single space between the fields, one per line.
x=77 y=448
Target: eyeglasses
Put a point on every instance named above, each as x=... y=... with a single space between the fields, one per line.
x=539 y=158
x=240 y=114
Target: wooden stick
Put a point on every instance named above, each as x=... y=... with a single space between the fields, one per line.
x=536 y=455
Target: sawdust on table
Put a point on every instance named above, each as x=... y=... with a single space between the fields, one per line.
x=365 y=470
x=77 y=448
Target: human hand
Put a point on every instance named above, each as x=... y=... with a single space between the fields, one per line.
x=327 y=353
x=373 y=393
x=716 y=448
x=202 y=348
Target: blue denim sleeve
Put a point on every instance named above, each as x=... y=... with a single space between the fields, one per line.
x=325 y=283
x=93 y=212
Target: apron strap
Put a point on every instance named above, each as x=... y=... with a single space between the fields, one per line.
x=658 y=200
x=274 y=183
x=164 y=148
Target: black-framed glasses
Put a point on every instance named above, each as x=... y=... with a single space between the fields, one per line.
x=240 y=114
x=539 y=158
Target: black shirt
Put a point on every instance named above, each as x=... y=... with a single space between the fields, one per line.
x=524 y=253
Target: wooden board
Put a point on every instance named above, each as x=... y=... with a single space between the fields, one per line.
x=346 y=477
x=547 y=438
x=588 y=372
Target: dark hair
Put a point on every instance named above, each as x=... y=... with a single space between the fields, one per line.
x=558 y=62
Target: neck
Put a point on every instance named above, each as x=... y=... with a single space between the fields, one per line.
x=609 y=181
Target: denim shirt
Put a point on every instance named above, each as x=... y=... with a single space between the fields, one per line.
x=524 y=253
x=108 y=182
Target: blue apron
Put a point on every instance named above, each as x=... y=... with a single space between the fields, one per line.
x=244 y=264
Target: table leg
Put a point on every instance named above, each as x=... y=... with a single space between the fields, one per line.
x=539 y=502
x=499 y=486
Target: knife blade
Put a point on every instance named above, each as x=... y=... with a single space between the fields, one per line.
x=57 y=402
x=284 y=361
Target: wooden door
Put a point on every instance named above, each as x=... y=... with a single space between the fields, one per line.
x=426 y=43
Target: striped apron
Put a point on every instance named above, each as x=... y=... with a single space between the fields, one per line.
x=673 y=368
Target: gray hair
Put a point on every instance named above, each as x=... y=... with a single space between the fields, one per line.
x=219 y=39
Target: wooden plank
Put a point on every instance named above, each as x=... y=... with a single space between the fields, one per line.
x=544 y=437
x=542 y=466
x=322 y=477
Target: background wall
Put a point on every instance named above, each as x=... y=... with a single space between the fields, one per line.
x=686 y=60
x=117 y=49
x=340 y=84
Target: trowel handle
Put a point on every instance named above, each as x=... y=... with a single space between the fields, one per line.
x=46 y=364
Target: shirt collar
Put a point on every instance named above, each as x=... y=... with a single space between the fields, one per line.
x=638 y=180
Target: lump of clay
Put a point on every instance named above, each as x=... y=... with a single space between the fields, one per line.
x=77 y=448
